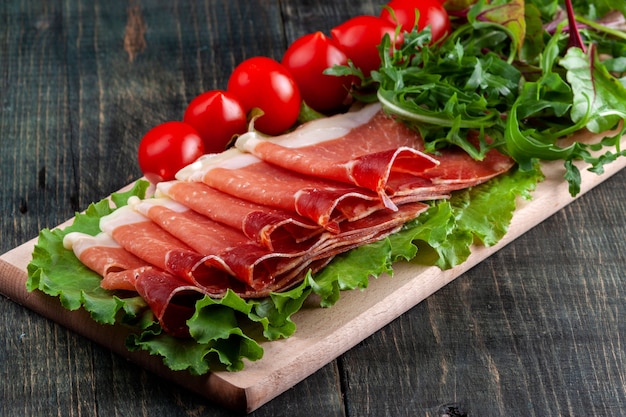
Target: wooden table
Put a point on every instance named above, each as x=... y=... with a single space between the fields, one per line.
x=534 y=330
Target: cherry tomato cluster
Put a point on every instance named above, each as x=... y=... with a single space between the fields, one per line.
x=278 y=89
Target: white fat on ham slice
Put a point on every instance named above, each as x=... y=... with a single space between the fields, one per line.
x=229 y=159
x=365 y=148
x=247 y=177
x=313 y=132
x=79 y=242
x=148 y=241
x=118 y=268
x=122 y=216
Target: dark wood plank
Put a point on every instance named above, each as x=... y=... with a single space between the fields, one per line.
x=35 y=131
x=80 y=89
x=533 y=330
x=307 y=16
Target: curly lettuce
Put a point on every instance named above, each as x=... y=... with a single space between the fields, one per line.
x=226 y=331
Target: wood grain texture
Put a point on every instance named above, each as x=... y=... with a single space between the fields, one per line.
x=534 y=330
x=323 y=334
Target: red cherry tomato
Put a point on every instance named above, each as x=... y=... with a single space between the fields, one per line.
x=167 y=148
x=264 y=83
x=217 y=116
x=359 y=38
x=306 y=59
x=431 y=13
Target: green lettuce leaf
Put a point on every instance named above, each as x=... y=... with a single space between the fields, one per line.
x=190 y=355
x=58 y=273
x=351 y=270
x=444 y=234
x=226 y=332
x=487 y=211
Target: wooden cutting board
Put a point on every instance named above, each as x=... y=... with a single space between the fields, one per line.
x=322 y=334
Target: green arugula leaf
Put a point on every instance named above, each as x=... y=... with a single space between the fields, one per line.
x=506 y=14
x=522 y=108
x=597 y=9
x=445 y=91
x=534 y=41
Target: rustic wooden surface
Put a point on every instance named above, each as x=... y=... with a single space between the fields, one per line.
x=534 y=330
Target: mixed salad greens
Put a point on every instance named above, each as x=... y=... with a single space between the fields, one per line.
x=509 y=71
x=512 y=72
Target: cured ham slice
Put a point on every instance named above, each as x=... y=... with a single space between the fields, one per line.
x=253 y=264
x=367 y=230
x=149 y=242
x=243 y=258
x=372 y=150
x=245 y=176
x=458 y=170
x=170 y=298
x=278 y=230
x=360 y=148
x=103 y=255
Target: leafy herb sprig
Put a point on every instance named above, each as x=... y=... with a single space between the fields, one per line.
x=511 y=72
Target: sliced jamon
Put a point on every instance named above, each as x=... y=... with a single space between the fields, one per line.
x=367 y=230
x=249 y=262
x=245 y=176
x=375 y=151
x=275 y=229
x=278 y=230
x=370 y=229
x=253 y=264
x=356 y=147
x=151 y=243
x=103 y=255
x=170 y=298
x=459 y=170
